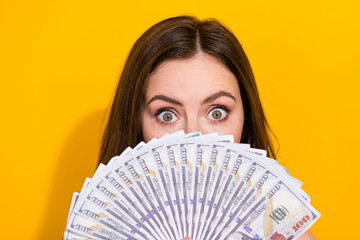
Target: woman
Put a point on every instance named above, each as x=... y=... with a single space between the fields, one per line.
x=188 y=74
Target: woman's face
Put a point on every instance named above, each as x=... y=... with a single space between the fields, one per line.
x=197 y=94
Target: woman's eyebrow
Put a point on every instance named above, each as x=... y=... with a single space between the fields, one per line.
x=164 y=98
x=217 y=95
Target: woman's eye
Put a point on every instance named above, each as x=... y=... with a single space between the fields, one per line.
x=217 y=114
x=167 y=116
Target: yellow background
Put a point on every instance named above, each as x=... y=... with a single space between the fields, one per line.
x=60 y=61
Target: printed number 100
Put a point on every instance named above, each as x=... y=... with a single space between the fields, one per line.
x=300 y=223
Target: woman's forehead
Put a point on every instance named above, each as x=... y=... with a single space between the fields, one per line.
x=200 y=74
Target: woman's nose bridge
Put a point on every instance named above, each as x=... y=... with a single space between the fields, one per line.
x=191 y=128
x=192 y=124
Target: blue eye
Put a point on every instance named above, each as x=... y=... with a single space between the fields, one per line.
x=217 y=114
x=167 y=116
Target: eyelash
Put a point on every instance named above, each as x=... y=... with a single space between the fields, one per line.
x=226 y=109
x=161 y=110
x=166 y=109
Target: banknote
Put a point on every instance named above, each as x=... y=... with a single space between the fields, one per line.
x=174 y=155
x=244 y=199
x=263 y=174
x=232 y=160
x=92 y=211
x=129 y=191
x=70 y=235
x=167 y=188
x=203 y=152
x=281 y=213
x=103 y=194
x=132 y=172
x=86 y=227
x=73 y=202
x=188 y=152
x=144 y=166
x=188 y=160
x=234 y=180
x=121 y=214
x=190 y=185
x=218 y=152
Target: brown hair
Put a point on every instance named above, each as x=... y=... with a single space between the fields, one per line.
x=180 y=38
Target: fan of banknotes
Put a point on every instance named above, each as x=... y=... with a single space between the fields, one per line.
x=190 y=185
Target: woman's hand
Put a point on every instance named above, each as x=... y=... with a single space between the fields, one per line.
x=307 y=236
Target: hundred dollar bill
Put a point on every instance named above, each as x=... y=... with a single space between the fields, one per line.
x=122 y=215
x=91 y=211
x=134 y=180
x=217 y=155
x=76 y=195
x=126 y=186
x=239 y=178
x=186 y=185
x=87 y=181
x=203 y=152
x=174 y=155
x=233 y=165
x=244 y=197
x=174 y=161
x=147 y=166
x=122 y=203
x=281 y=213
x=218 y=152
x=87 y=227
x=174 y=173
x=187 y=162
x=262 y=153
x=256 y=151
x=202 y=164
x=188 y=165
x=187 y=154
x=69 y=235
x=114 y=160
x=73 y=202
x=75 y=198
x=138 y=171
x=103 y=194
x=275 y=167
x=217 y=182
x=163 y=171
x=127 y=151
x=116 y=176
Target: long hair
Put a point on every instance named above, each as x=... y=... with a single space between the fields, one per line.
x=180 y=38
